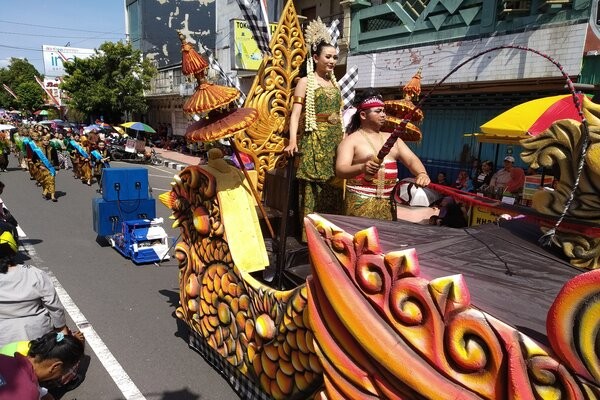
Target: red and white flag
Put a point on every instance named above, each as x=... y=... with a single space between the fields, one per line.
x=9 y=90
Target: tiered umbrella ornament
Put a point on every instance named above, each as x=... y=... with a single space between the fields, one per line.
x=398 y=110
x=220 y=117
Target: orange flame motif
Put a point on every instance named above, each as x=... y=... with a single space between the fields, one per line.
x=384 y=332
x=367 y=325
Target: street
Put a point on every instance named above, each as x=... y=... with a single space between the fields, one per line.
x=137 y=348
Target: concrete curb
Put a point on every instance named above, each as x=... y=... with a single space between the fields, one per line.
x=174 y=165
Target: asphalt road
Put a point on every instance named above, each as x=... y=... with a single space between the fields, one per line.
x=129 y=307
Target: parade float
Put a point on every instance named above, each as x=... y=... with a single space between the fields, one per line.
x=389 y=309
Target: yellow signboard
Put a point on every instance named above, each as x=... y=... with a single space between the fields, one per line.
x=245 y=52
x=482 y=215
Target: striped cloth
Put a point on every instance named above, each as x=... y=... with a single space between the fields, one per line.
x=334 y=32
x=381 y=186
x=256 y=15
x=347 y=84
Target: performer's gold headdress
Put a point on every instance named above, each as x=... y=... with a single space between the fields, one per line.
x=315 y=34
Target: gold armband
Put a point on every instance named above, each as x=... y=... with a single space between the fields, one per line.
x=298 y=100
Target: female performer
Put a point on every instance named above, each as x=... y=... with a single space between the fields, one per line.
x=318 y=94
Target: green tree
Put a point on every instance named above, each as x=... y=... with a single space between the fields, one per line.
x=110 y=83
x=30 y=94
x=20 y=77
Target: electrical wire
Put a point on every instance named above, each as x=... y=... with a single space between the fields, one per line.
x=55 y=27
x=58 y=36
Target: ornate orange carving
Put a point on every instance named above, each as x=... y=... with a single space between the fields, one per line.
x=560 y=146
x=384 y=332
x=271 y=94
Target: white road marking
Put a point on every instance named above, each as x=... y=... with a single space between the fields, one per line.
x=110 y=363
x=162 y=190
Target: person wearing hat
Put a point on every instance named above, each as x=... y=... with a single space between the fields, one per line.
x=509 y=178
x=29 y=304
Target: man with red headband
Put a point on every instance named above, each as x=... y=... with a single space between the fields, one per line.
x=370 y=183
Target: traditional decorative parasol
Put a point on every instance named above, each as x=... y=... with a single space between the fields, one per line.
x=398 y=110
x=402 y=107
x=209 y=97
x=411 y=133
x=220 y=121
x=221 y=125
x=192 y=63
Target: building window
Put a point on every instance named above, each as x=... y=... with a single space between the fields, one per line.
x=384 y=21
x=310 y=13
x=519 y=6
x=414 y=7
x=134 y=24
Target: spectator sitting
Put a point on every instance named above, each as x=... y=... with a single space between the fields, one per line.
x=29 y=304
x=475 y=169
x=464 y=182
x=516 y=182
x=482 y=180
x=54 y=356
x=441 y=179
x=501 y=178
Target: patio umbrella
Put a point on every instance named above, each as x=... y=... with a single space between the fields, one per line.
x=92 y=127
x=532 y=117
x=41 y=112
x=119 y=130
x=138 y=126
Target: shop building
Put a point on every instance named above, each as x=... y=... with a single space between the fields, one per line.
x=390 y=40
x=217 y=25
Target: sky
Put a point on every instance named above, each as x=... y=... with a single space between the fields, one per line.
x=26 y=25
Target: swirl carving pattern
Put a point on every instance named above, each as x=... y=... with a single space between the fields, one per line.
x=271 y=95
x=560 y=147
x=384 y=332
x=261 y=331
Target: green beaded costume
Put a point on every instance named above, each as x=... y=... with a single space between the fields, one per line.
x=319 y=189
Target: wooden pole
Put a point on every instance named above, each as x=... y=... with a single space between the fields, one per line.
x=253 y=189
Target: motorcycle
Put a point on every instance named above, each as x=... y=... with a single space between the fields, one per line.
x=130 y=151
